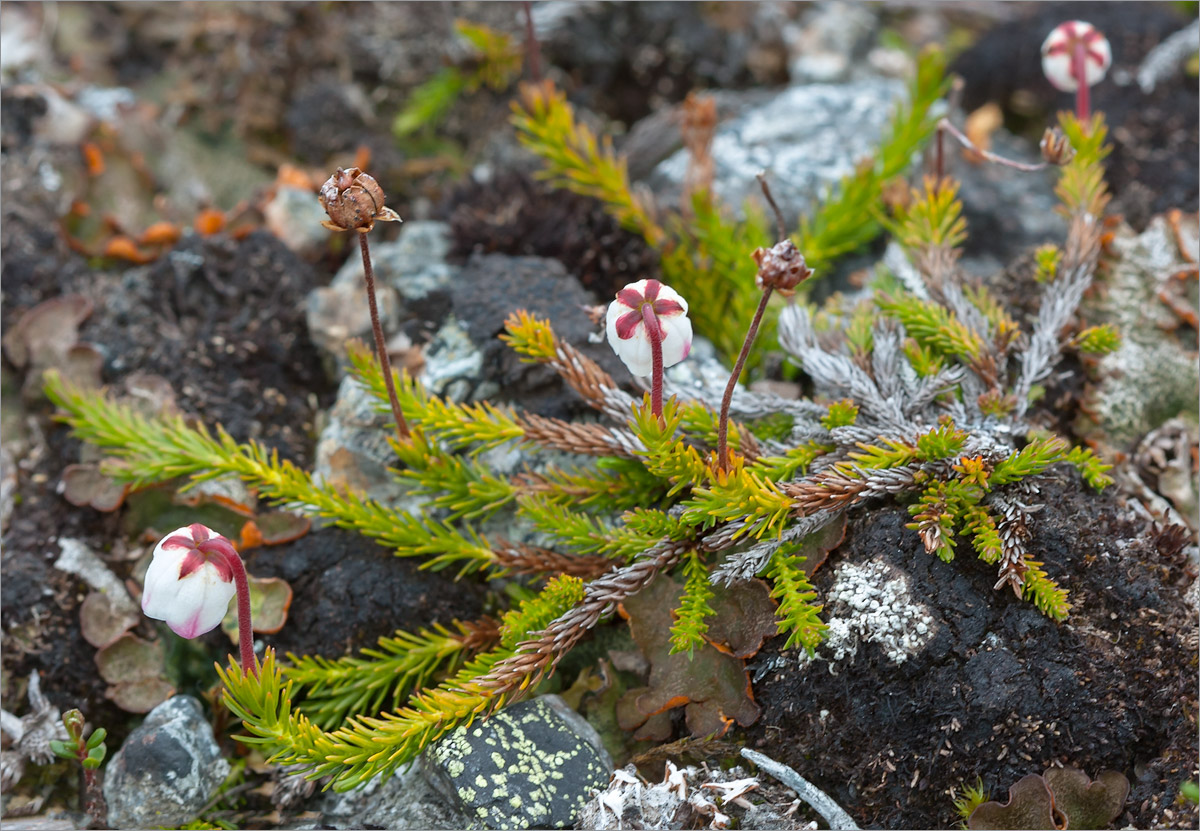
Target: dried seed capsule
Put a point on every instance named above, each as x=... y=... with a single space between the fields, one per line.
x=354 y=201
x=780 y=267
x=1056 y=149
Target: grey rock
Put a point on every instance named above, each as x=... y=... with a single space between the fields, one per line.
x=531 y=765
x=806 y=138
x=1153 y=375
x=295 y=216
x=412 y=280
x=489 y=289
x=414 y=264
x=352 y=450
x=167 y=770
x=341 y=311
x=829 y=43
x=403 y=801
x=454 y=365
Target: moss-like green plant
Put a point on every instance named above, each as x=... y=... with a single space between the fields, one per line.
x=704 y=253
x=495 y=64
x=924 y=401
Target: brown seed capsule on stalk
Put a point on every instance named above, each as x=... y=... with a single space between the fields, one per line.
x=1056 y=149
x=354 y=201
x=780 y=267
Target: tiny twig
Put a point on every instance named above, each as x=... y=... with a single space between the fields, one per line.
x=820 y=801
x=946 y=125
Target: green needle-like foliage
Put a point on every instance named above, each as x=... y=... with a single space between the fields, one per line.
x=797 y=615
x=922 y=399
x=367 y=747
x=691 y=618
x=379 y=679
x=706 y=254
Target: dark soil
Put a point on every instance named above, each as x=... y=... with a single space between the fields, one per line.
x=1154 y=164
x=349 y=592
x=513 y=214
x=1002 y=691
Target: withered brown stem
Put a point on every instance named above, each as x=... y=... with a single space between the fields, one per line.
x=380 y=344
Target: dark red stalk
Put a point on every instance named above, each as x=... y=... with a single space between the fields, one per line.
x=245 y=628
x=939 y=158
x=93 y=798
x=532 y=48
x=1083 y=104
x=727 y=398
x=380 y=344
x=656 y=370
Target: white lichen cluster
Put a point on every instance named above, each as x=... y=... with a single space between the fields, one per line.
x=873 y=603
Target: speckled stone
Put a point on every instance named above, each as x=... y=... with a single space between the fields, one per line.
x=528 y=766
x=167 y=770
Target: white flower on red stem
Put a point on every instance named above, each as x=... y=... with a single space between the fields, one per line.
x=648 y=302
x=190 y=580
x=1058 y=52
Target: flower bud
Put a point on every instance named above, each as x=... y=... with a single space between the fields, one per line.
x=1058 y=54
x=626 y=325
x=190 y=580
x=1056 y=149
x=354 y=201
x=780 y=267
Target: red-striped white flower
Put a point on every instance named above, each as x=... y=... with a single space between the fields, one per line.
x=1058 y=55
x=638 y=306
x=190 y=580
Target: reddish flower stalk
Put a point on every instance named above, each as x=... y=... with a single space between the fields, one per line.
x=385 y=364
x=656 y=359
x=354 y=202
x=245 y=626
x=781 y=267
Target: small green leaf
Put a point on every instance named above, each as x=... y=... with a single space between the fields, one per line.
x=62 y=749
x=96 y=738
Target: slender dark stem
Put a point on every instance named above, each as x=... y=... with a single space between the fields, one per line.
x=656 y=370
x=727 y=398
x=1083 y=104
x=245 y=628
x=532 y=48
x=380 y=345
x=780 y=226
x=939 y=156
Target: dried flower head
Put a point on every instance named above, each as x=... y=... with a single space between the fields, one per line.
x=639 y=305
x=1056 y=149
x=354 y=201
x=780 y=267
x=1059 y=53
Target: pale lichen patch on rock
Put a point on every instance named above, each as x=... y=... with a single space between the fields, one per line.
x=872 y=603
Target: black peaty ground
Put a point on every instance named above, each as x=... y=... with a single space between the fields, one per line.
x=1001 y=691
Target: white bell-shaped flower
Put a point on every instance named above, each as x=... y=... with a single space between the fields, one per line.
x=1058 y=51
x=190 y=580
x=644 y=303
